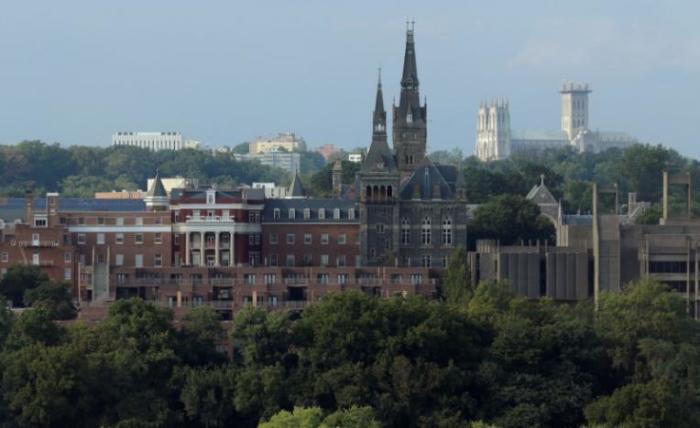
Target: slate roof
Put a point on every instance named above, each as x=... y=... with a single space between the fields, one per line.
x=313 y=204
x=423 y=180
x=296 y=190
x=12 y=209
x=157 y=189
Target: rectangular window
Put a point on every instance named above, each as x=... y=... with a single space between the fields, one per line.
x=336 y=214
x=342 y=278
x=322 y=278
x=273 y=259
x=119 y=238
x=138 y=260
x=416 y=279
x=270 y=278
x=100 y=220
x=322 y=213
x=276 y=214
x=290 y=260
x=249 y=278
x=119 y=259
x=351 y=214
x=307 y=213
x=120 y=221
x=324 y=259
x=4 y=257
x=138 y=221
x=290 y=238
x=81 y=238
x=307 y=239
x=342 y=239
x=67 y=257
x=40 y=222
x=138 y=239
x=273 y=238
x=158 y=260
x=292 y=214
x=100 y=239
x=308 y=260
x=67 y=274
x=340 y=261
x=324 y=239
x=380 y=228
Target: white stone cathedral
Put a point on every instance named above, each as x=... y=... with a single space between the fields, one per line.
x=495 y=140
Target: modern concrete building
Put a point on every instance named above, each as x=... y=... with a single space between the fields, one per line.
x=287 y=161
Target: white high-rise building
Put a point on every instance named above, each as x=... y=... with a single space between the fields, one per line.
x=153 y=140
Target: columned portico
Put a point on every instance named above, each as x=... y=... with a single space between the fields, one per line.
x=211 y=243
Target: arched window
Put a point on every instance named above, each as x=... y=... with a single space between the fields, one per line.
x=405 y=231
x=368 y=193
x=447 y=230
x=425 y=231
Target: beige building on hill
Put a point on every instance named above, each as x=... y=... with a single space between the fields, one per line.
x=287 y=141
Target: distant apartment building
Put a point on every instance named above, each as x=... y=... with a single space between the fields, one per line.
x=287 y=141
x=327 y=150
x=355 y=157
x=272 y=190
x=289 y=162
x=168 y=140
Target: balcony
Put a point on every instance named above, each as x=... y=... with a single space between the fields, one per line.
x=38 y=243
x=208 y=219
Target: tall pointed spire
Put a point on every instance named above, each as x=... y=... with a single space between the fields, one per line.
x=409 y=78
x=379 y=155
x=409 y=117
x=379 y=121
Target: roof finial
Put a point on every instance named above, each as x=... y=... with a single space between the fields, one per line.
x=379 y=76
x=541 y=179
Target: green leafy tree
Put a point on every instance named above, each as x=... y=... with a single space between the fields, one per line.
x=20 y=278
x=207 y=395
x=509 y=219
x=53 y=297
x=300 y=417
x=456 y=284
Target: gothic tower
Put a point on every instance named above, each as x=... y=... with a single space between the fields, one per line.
x=493 y=131
x=409 y=118
x=574 y=108
x=379 y=192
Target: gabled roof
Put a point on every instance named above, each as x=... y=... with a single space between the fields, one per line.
x=423 y=181
x=540 y=194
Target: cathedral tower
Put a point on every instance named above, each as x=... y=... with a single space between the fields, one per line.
x=574 y=108
x=493 y=131
x=409 y=117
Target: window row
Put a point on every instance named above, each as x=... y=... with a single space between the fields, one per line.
x=320 y=214
x=341 y=239
x=119 y=238
x=324 y=260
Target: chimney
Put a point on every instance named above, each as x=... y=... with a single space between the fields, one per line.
x=337 y=178
x=52 y=209
x=29 y=206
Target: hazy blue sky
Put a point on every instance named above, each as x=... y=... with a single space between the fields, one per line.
x=224 y=72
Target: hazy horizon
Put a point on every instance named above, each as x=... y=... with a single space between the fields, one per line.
x=75 y=72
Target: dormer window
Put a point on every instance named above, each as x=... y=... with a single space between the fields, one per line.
x=211 y=197
x=321 y=213
x=336 y=213
x=292 y=214
x=276 y=214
